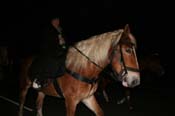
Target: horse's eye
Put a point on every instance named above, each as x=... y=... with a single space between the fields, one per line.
x=129 y=50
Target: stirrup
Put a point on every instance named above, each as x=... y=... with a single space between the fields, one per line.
x=35 y=84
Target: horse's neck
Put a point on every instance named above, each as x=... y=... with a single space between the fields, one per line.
x=84 y=55
x=92 y=54
x=84 y=64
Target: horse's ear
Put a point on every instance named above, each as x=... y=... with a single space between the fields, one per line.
x=127 y=29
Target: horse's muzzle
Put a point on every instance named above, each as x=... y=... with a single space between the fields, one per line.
x=131 y=81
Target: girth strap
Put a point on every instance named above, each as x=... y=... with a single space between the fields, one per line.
x=81 y=78
x=57 y=87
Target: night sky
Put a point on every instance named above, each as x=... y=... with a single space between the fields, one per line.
x=150 y=22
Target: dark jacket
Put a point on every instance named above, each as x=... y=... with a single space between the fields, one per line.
x=51 y=59
x=49 y=45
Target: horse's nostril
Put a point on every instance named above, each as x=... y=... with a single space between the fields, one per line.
x=134 y=82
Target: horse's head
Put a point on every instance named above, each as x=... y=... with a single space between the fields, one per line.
x=124 y=60
x=151 y=65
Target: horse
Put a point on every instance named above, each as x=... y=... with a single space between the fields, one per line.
x=151 y=68
x=84 y=61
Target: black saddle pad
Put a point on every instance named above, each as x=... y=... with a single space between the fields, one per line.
x=44 y=67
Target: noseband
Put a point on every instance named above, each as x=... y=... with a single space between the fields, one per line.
x=123 y=73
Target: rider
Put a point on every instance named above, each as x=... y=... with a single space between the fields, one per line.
x=50 y=62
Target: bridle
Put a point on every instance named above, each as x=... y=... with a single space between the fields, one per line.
x=123 y=73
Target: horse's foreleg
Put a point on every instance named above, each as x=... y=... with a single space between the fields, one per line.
x=71 y=105
x=130 y=107
x=121 y=101
x=128 y=98
x=105 y=96
x=92 y=104
x=39 y=103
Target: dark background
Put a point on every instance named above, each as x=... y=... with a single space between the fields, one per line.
x=152 y=23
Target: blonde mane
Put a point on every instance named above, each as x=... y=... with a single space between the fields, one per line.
x=95 y=48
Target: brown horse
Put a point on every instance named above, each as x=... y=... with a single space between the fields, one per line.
x=85 y=60
x=151 y=67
